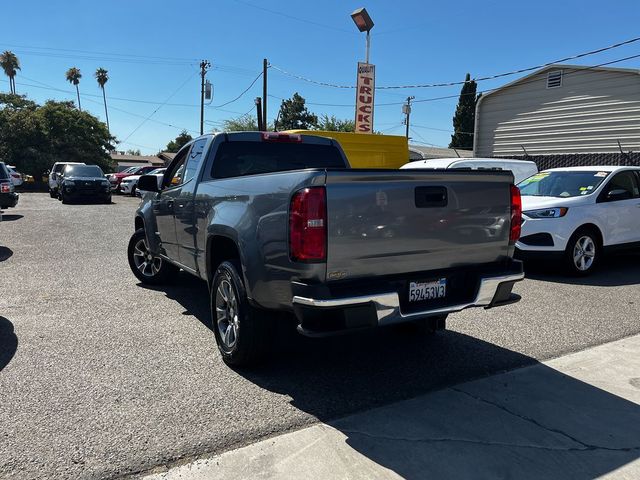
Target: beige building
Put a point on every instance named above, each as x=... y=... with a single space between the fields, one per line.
x=561 y=110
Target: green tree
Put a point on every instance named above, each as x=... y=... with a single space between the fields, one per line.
x=131 y=151
x=73 y=76
x=102 y=76
x=333 y=124
x=181 y=140
x=294 y=115
x=245 y=123
x=34 y=137
x=10 y=64
x=465 y=117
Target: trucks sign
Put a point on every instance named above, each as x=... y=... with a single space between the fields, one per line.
x=364 y=97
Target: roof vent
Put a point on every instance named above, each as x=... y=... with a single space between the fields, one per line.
x=554 y=79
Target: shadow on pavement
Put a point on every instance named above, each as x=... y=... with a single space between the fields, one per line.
x=543 y=425
x=11 y=218
x=8 y=342
x=5 y=253
x=614 y=271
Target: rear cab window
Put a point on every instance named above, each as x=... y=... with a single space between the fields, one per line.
x=240 y=158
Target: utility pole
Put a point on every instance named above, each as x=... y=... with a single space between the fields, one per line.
x=204 y=64
x=406 y=109
x=265 y=66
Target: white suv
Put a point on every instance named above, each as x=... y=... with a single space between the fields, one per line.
x=54 y=176
x=576 y=214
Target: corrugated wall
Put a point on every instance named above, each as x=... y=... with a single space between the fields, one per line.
x=589 y=113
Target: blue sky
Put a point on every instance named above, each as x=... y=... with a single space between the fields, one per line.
x=152 y=50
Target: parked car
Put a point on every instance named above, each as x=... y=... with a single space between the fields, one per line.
x=54 y=175
x=84 y=182
x=574 y=215
x=116 y=178
x=279 y=223
x=129 y=184
x=521 y=169
x=16 y=177
x=8 y=196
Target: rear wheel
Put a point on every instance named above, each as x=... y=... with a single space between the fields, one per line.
x=146 y=266
x=583 y=252
x=241 y=330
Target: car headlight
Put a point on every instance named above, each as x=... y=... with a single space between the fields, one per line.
x=555 y=212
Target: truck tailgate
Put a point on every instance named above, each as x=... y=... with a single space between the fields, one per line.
x=383 y=223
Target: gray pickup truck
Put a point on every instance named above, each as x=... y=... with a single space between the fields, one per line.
x=280 y=223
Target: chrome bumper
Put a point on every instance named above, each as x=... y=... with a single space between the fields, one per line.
x=387 y=305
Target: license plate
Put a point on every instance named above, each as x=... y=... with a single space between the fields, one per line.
x=419 y=292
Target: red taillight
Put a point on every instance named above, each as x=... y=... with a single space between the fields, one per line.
x=5 y=188
x=516 y=215
x=308 y=225
x=281 y=137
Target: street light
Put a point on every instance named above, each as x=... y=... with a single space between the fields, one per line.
x=364 y=23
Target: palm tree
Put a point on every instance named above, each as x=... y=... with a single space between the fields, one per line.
x=73 y=76
x=10 y=64
x=102 y=76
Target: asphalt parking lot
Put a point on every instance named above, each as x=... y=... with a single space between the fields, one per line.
x=102 y=377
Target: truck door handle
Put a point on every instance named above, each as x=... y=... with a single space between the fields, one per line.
x=429 y=197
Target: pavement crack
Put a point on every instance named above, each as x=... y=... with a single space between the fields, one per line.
x=584 y=445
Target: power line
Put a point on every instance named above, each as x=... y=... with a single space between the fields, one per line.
x=286 y=15
x=239 y=96
x=450 y=84
x=160 y=106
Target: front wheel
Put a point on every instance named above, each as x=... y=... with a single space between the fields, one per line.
x=241 y=330
x=147 y=267
x=582 y=253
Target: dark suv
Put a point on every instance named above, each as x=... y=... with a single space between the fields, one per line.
x=85 y=182
x=8 y=195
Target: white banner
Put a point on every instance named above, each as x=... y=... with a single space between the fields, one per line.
x=364 y=97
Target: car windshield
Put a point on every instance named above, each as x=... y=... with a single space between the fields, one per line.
x=156 y=171
x=83 y=171
x=562 y=183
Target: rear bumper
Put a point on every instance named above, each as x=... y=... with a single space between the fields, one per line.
x=321 y=316
x=8 y=200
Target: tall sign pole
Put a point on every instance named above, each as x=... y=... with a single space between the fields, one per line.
x=265 y=66
x=366 y=83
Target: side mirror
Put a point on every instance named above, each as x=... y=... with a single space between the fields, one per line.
x=618 y=194
x=148 y=183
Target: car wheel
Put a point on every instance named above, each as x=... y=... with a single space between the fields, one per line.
x=583 y=252
x=63 y=198
x=52 y=194
x=133 y=191
x=241 y=330
x=147 y=267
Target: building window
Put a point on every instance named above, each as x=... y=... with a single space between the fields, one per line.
x=554 y=79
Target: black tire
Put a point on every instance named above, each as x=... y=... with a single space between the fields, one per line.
x=243 y=340
x=63 y=198
x=53 y=194
x=133 y=191
x=427 y=326
x=156 y=270
x=583 y=252
x=108 y=200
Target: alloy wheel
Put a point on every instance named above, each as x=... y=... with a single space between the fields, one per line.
x=584 y=253
x=227 y=319
x=148 y=264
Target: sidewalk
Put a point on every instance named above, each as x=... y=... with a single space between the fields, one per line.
x=573 y=417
